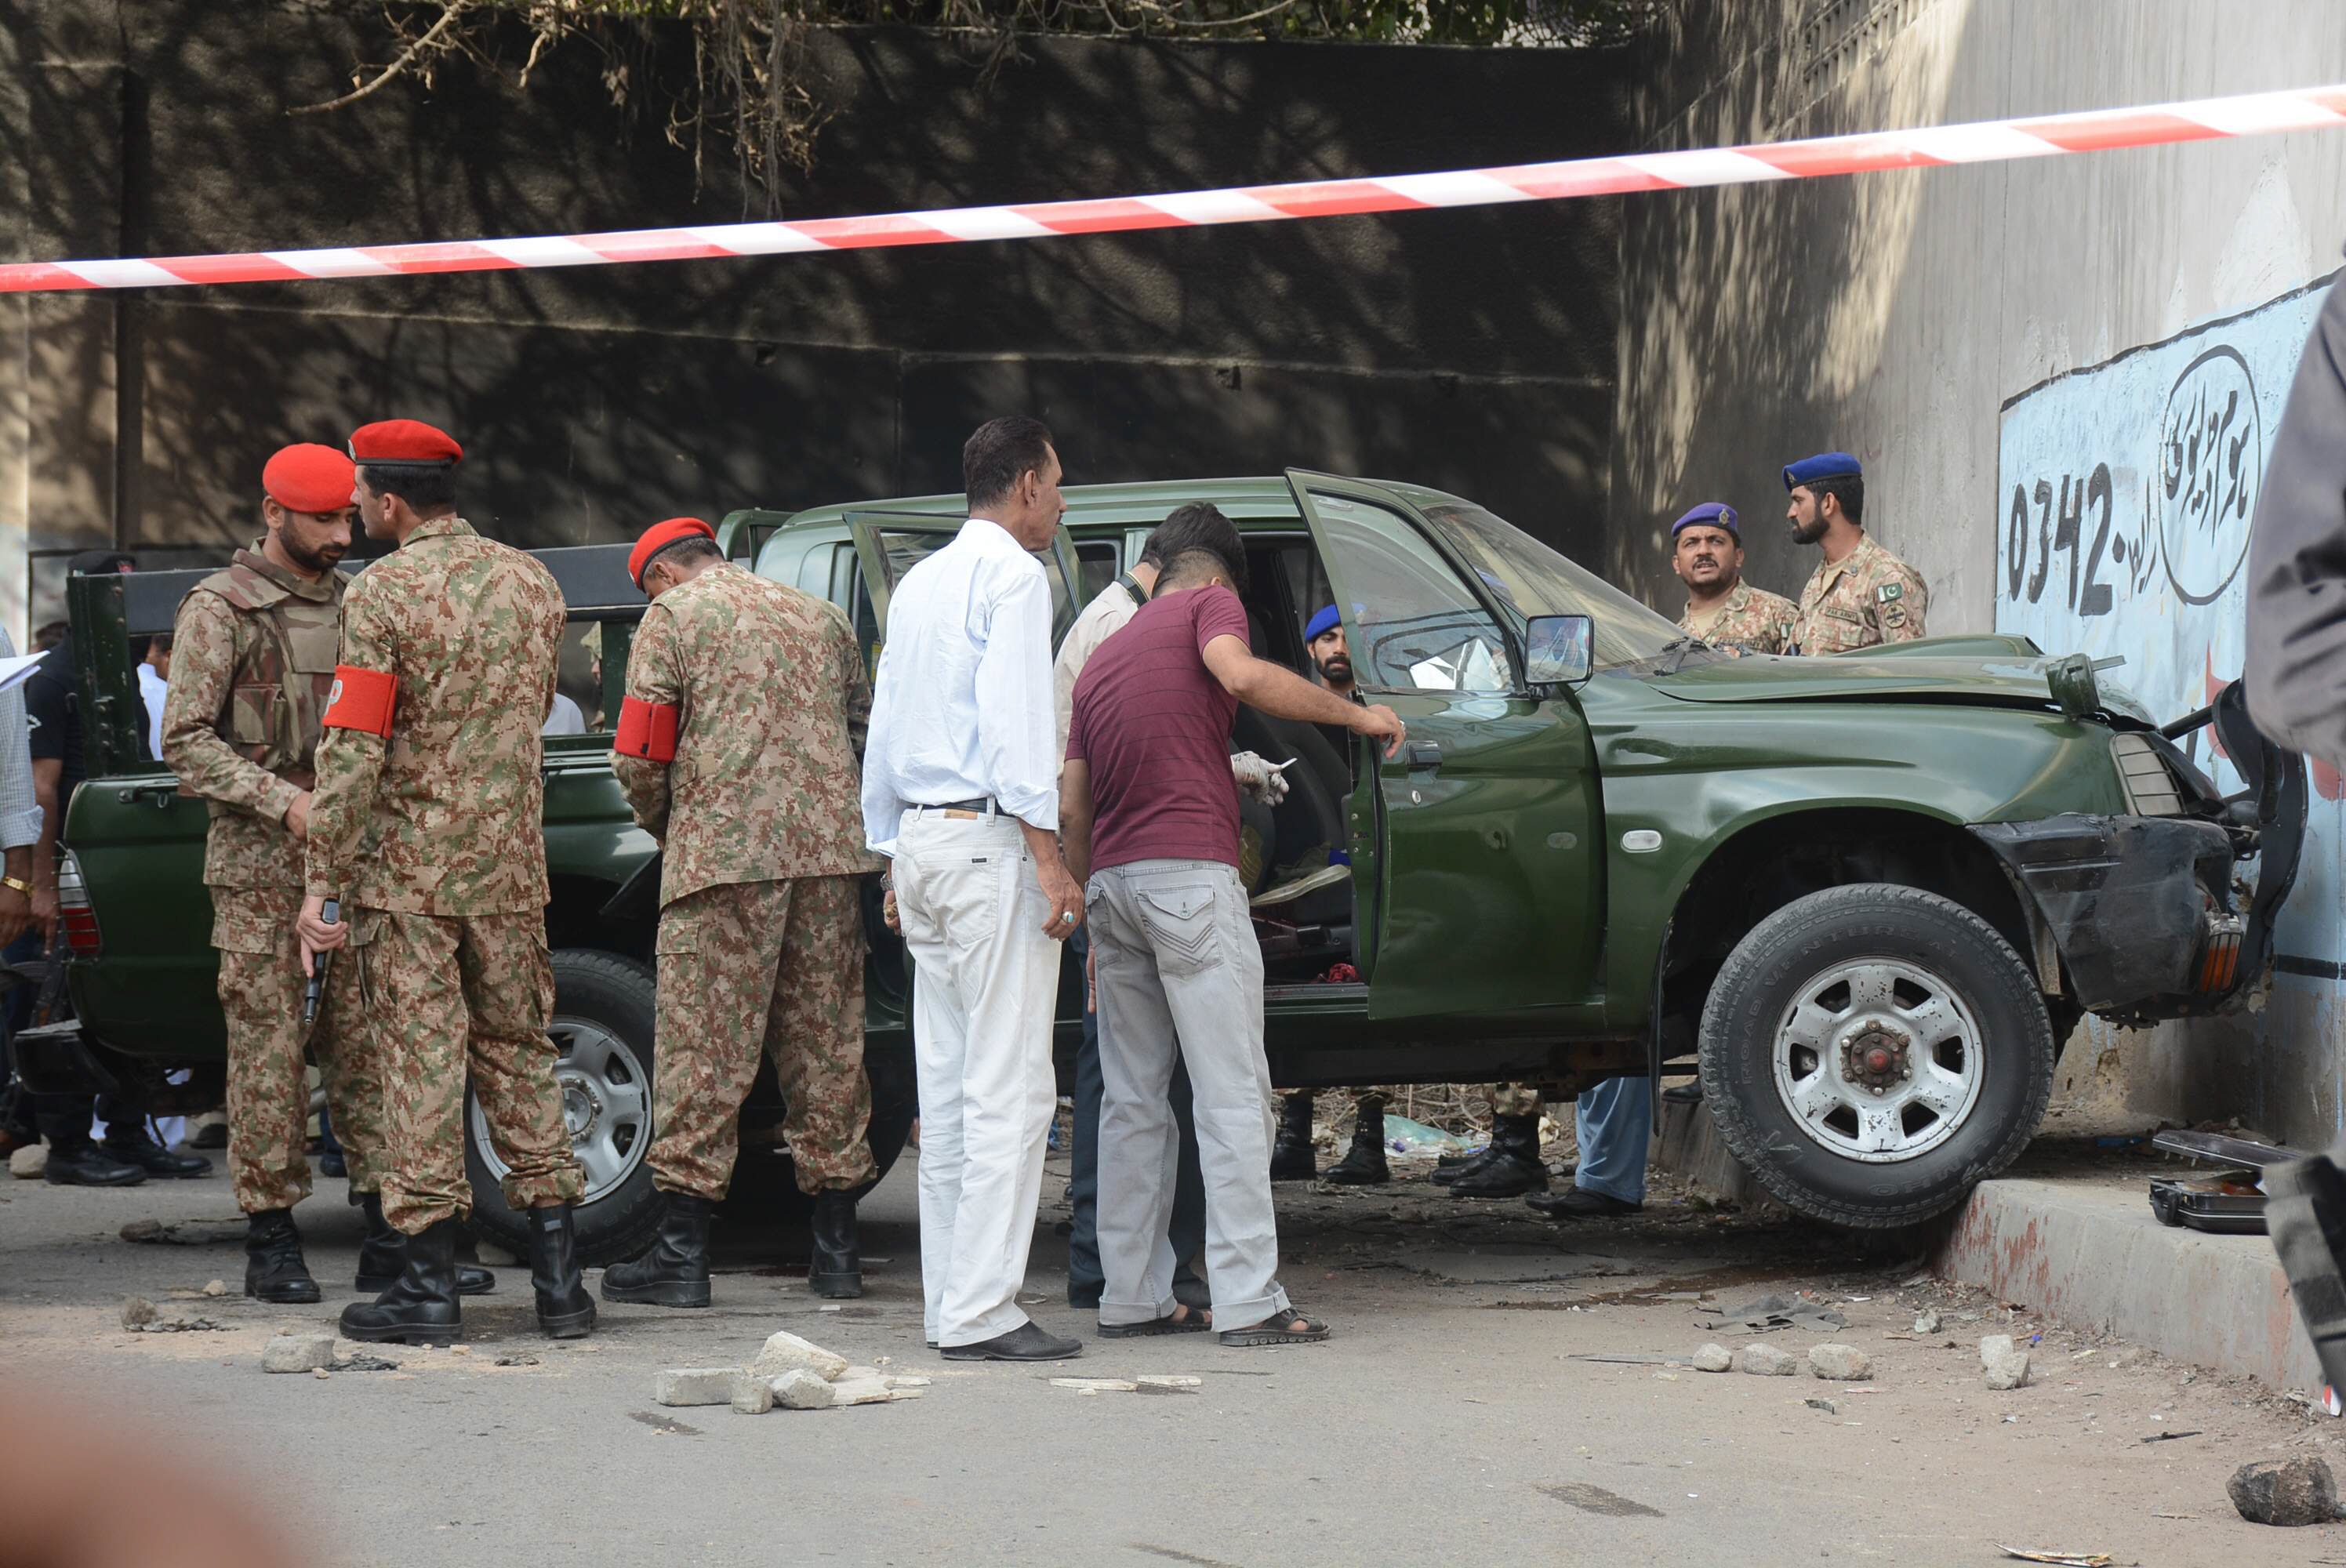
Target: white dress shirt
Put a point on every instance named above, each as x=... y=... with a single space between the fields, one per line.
x=962 y=708
x=565 y=717
x=1101 y=618
x=153 y=690
x=20 y=812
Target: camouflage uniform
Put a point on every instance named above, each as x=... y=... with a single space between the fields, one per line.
x=1868 y=596
x=759 y=817
x=1516 y=1100
x=435 y=840
x=1748 y=620
x=253 y=660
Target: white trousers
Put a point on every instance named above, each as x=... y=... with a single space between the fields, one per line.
x=986 y=980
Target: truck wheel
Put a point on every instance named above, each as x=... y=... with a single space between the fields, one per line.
x=603 y=1026
x=1872 y=1051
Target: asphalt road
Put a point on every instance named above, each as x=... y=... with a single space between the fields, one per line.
x=1455 y=1418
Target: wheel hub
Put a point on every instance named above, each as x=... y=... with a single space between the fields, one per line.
x=581 y=1107
x=1876 y=1057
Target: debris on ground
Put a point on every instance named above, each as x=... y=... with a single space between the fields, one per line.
x=784 y=1351
x=361 y=1362
x=1770 y=1313
x=2300 y=1490
x=1827 y=1406
x=181 y=1326
x=1164 y=1383
x=138 y=1312
x=2066 y=1559
x=753 y=1395
x=1765 y=1361
x=515 y=1362
x=800 y=1390
x=298 y=1353
x=687 y=1386
x=30 y=1163
x=1926 y=1323
x=1839 y=1363
x=1097 y=1385
x=215 y=1286
x=1712 y=1357
x=2004 y=1364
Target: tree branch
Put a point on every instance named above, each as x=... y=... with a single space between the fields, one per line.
x=407 y=59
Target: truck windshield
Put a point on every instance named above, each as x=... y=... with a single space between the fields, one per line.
x=1533 y=580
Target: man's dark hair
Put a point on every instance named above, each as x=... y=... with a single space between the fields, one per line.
x=428 y=492
x=49 y=634
x=998 y=453
x=1152 y=554
x=684 y=552
x=1849 y=489
x=1199 y=528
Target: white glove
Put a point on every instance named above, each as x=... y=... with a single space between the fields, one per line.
x=1264 y=782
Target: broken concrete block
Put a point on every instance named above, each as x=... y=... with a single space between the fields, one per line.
x=908 y=1382
x=753 y=1395
x=785 y=1350
x=865 y=1391
x=859 y=1374
x=800 y=1390
x=1995 y=1348
x=1926 y=1323
x=1095 y=1385
x=298 y=1353
x=2008 y=1372
x=1713 y=1358
x=694 y=1386
x=138 y=1312
x=2300 y=1490
x=1168 y=1383
x=1839 y=1363
x=1765 y=1361
x=30 y=1163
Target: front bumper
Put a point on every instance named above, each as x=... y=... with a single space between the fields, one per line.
x=2138 y=910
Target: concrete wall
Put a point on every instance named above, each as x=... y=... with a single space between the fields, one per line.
x=1470 y=349
x=1895 y=316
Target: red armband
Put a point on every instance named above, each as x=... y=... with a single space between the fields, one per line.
x=362 y=699
x=646 y=730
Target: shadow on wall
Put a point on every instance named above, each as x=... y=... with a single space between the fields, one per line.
x=1468 y=349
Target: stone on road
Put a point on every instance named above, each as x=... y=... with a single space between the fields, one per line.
x=694 y=1386
x=2300 y=1490
x=800 y=1390
x=1766 y=1361
x=298 y=1353
x=2008 y=1372
x=1839 y=1363
x=785 y=1350
x=1713 y=1358
x=753 y=1395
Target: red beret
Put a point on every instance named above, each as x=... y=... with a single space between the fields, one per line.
x=658 y=538
x=395 y=442
x=308 y=477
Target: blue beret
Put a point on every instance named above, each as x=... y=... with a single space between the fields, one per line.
x=1823 y=465
x=1326 y=621
x=1717 y=514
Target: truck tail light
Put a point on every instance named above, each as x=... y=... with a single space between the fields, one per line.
x=2220 y=962
x=76 y=921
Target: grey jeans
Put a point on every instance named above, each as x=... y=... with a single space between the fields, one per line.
x=1178 y=971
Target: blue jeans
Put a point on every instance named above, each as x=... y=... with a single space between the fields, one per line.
x=1615 y=1121
x=1085 y=1279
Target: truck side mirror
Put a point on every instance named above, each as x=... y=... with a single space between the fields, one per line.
x=1556 y=649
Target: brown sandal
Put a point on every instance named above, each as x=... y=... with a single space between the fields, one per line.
x=1273 y=1331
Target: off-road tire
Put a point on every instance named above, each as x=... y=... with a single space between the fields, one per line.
x=1874 y=919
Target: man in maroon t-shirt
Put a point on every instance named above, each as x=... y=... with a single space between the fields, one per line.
x=1148 y=814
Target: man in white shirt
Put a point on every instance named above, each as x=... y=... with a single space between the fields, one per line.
x=960 y=792
x=563 y=718
x=154 y=687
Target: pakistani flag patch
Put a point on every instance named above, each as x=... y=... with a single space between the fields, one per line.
x=1890 y=593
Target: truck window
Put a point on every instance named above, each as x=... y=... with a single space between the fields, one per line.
x=1423 y=629
x=1098 y=565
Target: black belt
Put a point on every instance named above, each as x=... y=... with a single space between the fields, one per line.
x=983 y=804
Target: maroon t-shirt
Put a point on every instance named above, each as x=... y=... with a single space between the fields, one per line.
x=1153 y=725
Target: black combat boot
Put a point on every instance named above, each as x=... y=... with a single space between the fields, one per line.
x=421 y=1307
x=83 y=1164
x=1364 y=1163
x=565 y=1310
x=384 y=1255
x=1514 y=1167
x=674 y=1270
x=134 y=1144
x=273 y=1267
x=1290 y=1151
x=834 y=1269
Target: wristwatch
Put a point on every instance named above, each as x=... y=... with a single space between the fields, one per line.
x=19 y=884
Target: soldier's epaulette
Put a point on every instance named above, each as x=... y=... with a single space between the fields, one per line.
x=243 y=587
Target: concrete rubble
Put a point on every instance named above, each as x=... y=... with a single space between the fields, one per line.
x=1765 y=1361
x=1839 y=1363
x=784 y=1351
x=29 y=1163
x=788 y=1373
x=1713 y=1358
x=2300 y=1490
x=138 y=1312
x=298 y=1353
x=800 y=1390
x=688 y=1385
x=2004 y=1364
x=753 y=1395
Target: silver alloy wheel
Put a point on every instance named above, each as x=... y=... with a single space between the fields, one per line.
x=607 y=1103
x=1878 y=1060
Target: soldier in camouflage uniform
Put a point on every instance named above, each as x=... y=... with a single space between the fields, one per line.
x=738 y=747
x=1722 y=609
x=427 y=822
x=254 y=658
x=1860 y=594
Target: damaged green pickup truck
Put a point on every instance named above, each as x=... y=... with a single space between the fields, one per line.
x=1864 y=898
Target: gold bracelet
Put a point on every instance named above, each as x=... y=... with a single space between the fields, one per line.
x=19 y=884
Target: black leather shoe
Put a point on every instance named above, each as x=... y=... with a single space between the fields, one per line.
x=88 y=1165
x=1450 y=1167
x=421 y=1307
x=1514 y=1167
x=1578 y=1203
x=674 y=1270
x=273 y=1267
x=1364 y=1163
x=1290 y=1149
x=565 y=1310
x=835 y=1269
x=1026 y=1343
x=138 y=1147
x=384 y=1255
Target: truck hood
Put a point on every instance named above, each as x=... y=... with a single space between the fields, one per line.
x=1996 y=682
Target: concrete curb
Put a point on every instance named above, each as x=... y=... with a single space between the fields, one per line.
x=2091 y=1253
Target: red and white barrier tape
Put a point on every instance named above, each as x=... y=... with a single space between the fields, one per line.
x=1985 y=141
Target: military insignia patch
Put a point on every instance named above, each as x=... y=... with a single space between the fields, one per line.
x=1889 y=592
x=1893 y=617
